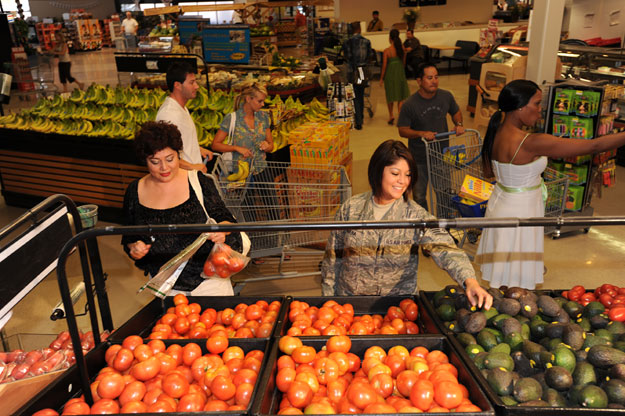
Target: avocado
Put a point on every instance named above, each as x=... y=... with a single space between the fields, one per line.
x=510 y=325
x=499 y=360
x=593 y=397
x=523 y=319
x=548 y=306
x=581 y=355
x=475 y=323
x=473 y=349
x=530 y=347
x=528 y=295
x=565 y=358
x=562 y=317
x=558 y=378
x=603 y=356
x=490 y=314
x=509 y=306
x=500 y=381
x=560 y=300
x=535 y=403
x=618 y=371
x=554 y=398
x=503 y=347
x=574 y=309
x=478 y=360
x=584 y=323
x=545 y=359
x=529 y=308
x=515 y=340
x=495 y=293
x=464 y=338
x=453 y=326
x=497 y=334
x=462 y=302
x=555 y=330
x=619 y=345
x=615 y=389
x=554 y=343
x=446 y=312
x=522 y=364
x=462 y=316
x=573 y=336
x=592 y=340
x=453 y=290
x=515 y=292
x=498 y=320
x=445 y=300
x=605 y=334
x=437 y=297
x=584 y=374
x=599 y=321
x=592 y=309
x=486 y=339
x=537 y=328
x=616 y=328
x=508 y=401
x=527 y=389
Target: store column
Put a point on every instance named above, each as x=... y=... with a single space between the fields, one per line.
x=544 y=38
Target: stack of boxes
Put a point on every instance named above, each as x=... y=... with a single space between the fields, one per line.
x=319 y=143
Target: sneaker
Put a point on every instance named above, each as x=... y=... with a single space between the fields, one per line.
x=358 y=127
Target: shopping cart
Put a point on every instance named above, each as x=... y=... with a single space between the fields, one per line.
x=450 y=159
x=283 y=192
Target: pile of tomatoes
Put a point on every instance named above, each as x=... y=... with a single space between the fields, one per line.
x=335 y=319
x=224 y=262
x=334 y=380
x=611 y=297
x=146 y=378
x=188 y=320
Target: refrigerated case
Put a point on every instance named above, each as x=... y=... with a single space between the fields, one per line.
x=593 y=63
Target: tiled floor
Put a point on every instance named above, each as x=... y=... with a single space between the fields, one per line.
x=577 y=258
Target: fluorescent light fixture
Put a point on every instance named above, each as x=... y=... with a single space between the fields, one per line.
x=568 y=55
x=509 y=51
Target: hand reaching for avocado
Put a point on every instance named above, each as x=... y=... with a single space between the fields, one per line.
x=477 y=295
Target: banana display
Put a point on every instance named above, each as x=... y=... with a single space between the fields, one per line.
x=102 y=111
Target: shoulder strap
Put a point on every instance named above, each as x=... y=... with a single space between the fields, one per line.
x=197 y=188
x=519 y=148
x=233 y=122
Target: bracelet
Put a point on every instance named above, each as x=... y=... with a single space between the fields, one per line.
x=459 y=124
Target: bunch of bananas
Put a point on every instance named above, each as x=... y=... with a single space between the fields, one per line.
x=241 y=174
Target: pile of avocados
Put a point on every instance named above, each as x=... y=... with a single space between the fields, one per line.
x=534 y=349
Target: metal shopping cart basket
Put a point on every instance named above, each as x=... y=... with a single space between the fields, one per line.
x=282 y=192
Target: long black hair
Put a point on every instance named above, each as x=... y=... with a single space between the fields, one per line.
x=394 y=35
x=387 y=154
x=516 y=94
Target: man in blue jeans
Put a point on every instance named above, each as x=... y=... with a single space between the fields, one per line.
x=357 y=51
x=424 y=114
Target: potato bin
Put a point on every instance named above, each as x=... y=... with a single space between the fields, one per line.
x=68 y=386
x=407 y=309
x=537 y=352
x=268 y=402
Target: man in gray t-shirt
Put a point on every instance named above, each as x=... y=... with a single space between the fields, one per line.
x=424 y=114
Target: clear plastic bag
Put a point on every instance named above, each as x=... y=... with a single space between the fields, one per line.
x=224 y=262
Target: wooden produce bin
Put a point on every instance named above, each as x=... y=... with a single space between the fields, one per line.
x=16 y=394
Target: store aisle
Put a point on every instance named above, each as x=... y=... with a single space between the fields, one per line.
x=578 y=258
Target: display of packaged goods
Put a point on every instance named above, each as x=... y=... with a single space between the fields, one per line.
x=320 y=143
x=574 y=197
x=577 y=174
x=475 y=189
x=563 y=101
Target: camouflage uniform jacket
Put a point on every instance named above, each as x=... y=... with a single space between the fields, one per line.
x=385 y=262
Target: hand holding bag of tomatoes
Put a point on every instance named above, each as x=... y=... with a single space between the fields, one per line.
x=224 y=262
x=611 y=297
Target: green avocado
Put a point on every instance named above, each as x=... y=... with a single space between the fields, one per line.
x=593 y=397
x=527 y=389
x=584 y=374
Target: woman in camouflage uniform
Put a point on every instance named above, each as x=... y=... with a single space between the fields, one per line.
x=385 y=262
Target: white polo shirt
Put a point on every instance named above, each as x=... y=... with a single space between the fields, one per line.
x=179 y=116
x=130 y=26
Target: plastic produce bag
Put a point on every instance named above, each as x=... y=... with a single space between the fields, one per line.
x=166 y=278
x=224 y=262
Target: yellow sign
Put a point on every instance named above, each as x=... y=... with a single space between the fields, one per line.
x=237 y=56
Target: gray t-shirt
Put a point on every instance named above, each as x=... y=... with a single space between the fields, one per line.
x=423 y=114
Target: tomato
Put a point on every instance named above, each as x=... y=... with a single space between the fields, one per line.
x=405 y=380
x=244 y=394
x=606 y=300
x=146 y=370
x=191 y=402
x=588 y=297
x=326 y=370
x=134 y=407
x=105 y=407
x=245 y=375
x=376 y=351
x=236 y=264
x=448 y=394
x=133 y=391
x=46 y=412
x=209 y=268
x=161 y=406
x=111 y=386
x=382 y=384
x=469 y=407
x=284 y=378
x=299 y=394
x=220 y=259
x=132 y=341
x=215 y=406
x=361 y=394
x=190 y=352
x=223 y=388
x=76 y=407
x=339 y=343
x=175 y=384
x=354 y=362
x=223 y=271
x=617 y=313
x=304 y=354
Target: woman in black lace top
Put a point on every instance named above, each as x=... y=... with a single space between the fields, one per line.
x=165 y=196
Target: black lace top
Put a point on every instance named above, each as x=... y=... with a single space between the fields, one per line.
x=167 y=246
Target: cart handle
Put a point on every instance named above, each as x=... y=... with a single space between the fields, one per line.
x=446 y=134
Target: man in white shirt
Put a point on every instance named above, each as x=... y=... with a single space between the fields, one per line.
x=183 y=87
x=130 y=26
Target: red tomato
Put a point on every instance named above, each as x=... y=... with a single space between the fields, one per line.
x=111 y=386
x=621 y=290
x=46 y=412
x=216 y=344
x=146 y=370
x=134 y=407
x=588 y=297
x=617 y=313
x=78 y=407
x=448 y=394
x=382 y=384
x=299 y=394
x=223 y=388
x=209 y=268
x=422 y=394
x=236 y=264
x=606 y=300
x=339 y=343
x=105 y=407
x=134 y=391
x=223 y=271
x=220 y=259
x=284 y=378
x=175 y=384
x=361 y=394
x=190 y=352
x=191 y=402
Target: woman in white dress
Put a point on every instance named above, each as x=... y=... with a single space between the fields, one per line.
x=514 y=256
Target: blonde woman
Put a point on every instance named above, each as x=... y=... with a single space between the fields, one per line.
x=251 y=136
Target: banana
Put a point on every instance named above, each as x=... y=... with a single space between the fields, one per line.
x=246 y=169
x=235 y=176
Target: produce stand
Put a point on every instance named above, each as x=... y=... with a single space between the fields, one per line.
x=147 y=62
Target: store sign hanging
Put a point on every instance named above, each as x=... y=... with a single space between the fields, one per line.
x=226 y=44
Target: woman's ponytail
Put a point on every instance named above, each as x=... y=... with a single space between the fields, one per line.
x=489 y=139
